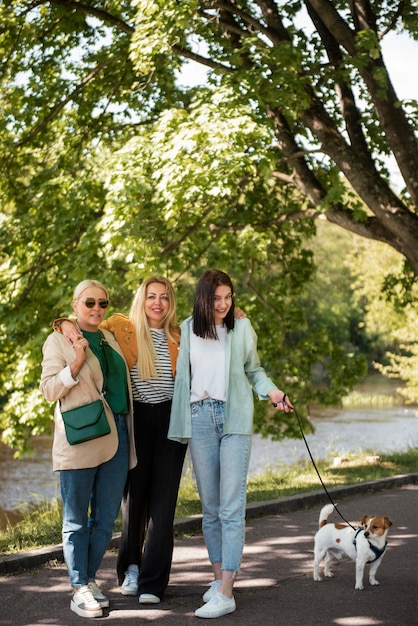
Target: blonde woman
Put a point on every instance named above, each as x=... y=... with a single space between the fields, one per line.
x=149 y=503
x=149 y=338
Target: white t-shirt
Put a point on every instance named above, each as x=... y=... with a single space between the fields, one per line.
x=208 y=371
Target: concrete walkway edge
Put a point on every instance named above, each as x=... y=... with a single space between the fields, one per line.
x=36 y=558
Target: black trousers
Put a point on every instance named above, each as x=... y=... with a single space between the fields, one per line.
x=149 y=501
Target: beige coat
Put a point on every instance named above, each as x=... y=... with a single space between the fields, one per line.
x=57 y=385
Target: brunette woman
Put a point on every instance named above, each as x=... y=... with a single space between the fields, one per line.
x=217 y=371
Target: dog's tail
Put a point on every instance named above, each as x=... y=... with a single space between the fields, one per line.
x=324 y=514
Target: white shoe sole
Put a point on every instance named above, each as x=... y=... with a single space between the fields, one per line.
x=219 y=609
x=220 y=613
x=149 y=598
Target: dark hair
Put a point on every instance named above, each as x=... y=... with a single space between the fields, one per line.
x=204 y=304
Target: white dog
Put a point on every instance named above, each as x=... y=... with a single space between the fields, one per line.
x=364 y=545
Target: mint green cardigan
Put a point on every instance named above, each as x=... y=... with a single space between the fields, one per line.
x=244 y=374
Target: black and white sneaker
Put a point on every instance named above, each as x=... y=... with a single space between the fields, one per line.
x=84 y=604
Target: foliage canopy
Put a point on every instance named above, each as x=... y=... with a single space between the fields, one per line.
x=113 y=166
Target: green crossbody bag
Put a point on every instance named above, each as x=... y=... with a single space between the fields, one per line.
x=90 y=421
x=86 y=422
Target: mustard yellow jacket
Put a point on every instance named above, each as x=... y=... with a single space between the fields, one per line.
x=124 y=332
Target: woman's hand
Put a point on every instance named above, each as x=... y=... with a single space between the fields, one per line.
x=80 y=345
x=239 y=314
x=70 y=332
x=281 y=400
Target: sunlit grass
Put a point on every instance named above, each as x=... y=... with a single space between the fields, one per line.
x=289 y=480
x=41 y=525
x=371 y=400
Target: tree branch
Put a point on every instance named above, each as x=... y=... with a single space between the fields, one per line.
x=54 y=112
x=198 y=58
x=334 y=23
x=104 y=16
x=399 y=133
x=348 y=107
x=173 y=245
x=396 y=17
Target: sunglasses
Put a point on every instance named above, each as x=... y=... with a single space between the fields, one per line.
x=90 y=302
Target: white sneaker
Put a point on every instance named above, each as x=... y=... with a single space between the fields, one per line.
x=217 y=606
x=214 y=587
x=97 y=594
x=148 y=598
x=130 y=583
x=84 y=604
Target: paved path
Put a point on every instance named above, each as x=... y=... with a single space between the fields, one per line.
x=275 y=586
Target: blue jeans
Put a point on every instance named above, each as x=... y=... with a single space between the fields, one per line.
x=220 y=464
x=86 y=536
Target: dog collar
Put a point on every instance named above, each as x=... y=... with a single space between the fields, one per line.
x=376 y=551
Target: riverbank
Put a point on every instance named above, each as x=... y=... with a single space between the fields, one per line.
x=43 y=527
x=380 y=427
x=188 y=526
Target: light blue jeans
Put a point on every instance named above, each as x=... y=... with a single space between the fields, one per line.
x=220 y=464
x=98 y=491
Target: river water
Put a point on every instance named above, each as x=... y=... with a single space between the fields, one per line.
x=337 y=432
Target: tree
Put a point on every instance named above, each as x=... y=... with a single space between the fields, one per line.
x=390 y=322
x=323 y=91
x=110 y=165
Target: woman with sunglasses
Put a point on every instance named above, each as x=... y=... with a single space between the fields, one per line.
x=149 y=338
x=217 y=369
x=93 y=473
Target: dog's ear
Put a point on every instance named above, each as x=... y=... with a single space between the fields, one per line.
x=387 y=521
x=364 y=520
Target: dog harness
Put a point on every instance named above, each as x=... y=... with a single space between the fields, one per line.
x=376 y=551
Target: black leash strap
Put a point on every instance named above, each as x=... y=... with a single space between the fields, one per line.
x=316 y=469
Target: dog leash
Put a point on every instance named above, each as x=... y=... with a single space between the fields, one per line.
x=314 y=464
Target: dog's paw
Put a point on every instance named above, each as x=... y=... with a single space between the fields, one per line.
x=329 y=574
x=359 y=586
x=317 y=577
x=373 y=581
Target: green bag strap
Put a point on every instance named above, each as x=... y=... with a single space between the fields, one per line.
x=109 y=358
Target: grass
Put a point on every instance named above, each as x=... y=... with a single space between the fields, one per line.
x=358 y=399
x=41 y=525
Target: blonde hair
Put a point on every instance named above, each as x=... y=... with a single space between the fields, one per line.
x=147 y=356
x=85 y=284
